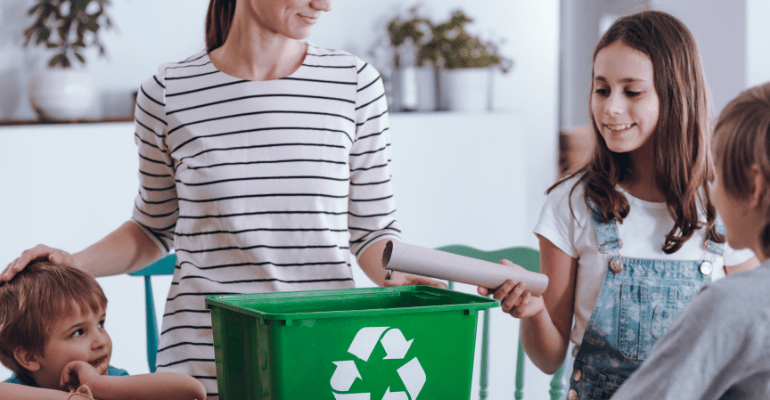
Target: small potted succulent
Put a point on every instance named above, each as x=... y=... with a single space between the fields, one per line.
x=67 y=28
x=465 y=64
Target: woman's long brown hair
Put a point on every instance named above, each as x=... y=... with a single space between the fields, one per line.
x=218 y=20
x=681 y=141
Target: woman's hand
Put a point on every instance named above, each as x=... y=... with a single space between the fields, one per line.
x=405 y=279
x=55 y=256
x=513 y=298
x=78 y=373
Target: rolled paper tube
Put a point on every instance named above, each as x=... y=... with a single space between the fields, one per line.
x=438 y=264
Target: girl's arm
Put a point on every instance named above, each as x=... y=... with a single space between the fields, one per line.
x=124 y=250
x=545 y=335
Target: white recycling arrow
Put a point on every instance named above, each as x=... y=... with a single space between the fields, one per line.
x=395 y=344
x=364 y=342
x=394 y=395
x=344 y=376
x=352 y=396
x=413 y=377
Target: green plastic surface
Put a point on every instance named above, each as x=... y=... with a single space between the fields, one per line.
x=284 y=345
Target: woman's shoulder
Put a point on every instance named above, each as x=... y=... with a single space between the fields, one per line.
x=335 y=58
x=195 y=64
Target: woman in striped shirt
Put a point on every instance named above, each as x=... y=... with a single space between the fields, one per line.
x=264 y=162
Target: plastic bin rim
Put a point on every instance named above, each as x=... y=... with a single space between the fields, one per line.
x=473 y=304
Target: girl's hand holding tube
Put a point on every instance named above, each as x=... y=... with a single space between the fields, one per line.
x=513 y=298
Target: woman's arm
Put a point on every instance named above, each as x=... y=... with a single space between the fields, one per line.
x=371 y=262
x=124 y=250
x=545 y=336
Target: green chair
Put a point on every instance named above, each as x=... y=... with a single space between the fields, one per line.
x=164 y=266
x=529 y=259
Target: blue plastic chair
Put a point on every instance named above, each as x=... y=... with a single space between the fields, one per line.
x=164 y=266
x=529 y=259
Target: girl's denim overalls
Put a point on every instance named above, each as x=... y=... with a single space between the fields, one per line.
x=639 y=301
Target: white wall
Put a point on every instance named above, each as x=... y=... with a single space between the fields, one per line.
x=719 y=29
x=757 y=42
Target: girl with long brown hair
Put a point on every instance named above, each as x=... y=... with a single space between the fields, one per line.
x=629 y=239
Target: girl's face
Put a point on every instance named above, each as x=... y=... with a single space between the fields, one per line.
x=290 y=18
x=624 y=103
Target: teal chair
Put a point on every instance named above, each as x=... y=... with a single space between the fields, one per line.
x=529 y=259
x=164 y=266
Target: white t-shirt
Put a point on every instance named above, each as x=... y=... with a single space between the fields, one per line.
x=642 y=232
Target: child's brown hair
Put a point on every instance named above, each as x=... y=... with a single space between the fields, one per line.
x=742 y=140
x=35 y=299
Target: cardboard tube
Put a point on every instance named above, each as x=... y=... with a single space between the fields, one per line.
x=439 y=264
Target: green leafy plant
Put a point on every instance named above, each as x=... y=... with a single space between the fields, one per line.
x=417 y=29
x=65 y=26
x=451 y=47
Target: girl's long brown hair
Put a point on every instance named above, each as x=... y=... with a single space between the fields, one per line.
x=218 y=20
x=681 y=141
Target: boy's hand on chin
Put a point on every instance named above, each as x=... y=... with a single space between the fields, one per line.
x=78 y=373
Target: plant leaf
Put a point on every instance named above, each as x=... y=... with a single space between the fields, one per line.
x=57 y=59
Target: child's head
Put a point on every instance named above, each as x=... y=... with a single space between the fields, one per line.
x=742 y=158
x=650 y=112
x=51 y=315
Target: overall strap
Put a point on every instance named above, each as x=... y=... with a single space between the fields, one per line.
x=710 y=245
x=606 y=231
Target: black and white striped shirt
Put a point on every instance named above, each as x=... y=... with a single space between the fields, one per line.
x=259 y=186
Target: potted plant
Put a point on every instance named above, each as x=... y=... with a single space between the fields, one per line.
x=67 y=28
x=465 y=65
x=414 y=79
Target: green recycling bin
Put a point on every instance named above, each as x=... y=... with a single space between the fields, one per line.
x=396 y=343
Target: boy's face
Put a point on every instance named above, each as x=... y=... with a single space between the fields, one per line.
x=734 y=215
x=77 y=337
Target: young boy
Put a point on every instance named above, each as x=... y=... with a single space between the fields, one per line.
x=52 y=337
x=720 y=347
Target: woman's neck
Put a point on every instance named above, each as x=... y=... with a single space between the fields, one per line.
x=252 y=53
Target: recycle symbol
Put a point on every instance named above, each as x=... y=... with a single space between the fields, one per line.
x=396 y=346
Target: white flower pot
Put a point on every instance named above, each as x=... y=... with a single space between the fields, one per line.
x=414 y=89
x=62 y=94
x=468 y=89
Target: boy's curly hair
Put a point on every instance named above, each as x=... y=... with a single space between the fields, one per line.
x=35 y=299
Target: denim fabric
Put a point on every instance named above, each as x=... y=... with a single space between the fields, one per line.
x=636 y=306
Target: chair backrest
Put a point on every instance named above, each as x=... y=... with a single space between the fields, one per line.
x=164 y=266
x=530 y=259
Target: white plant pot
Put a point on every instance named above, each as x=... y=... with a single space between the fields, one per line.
x=468 y=89
x=414 y=89
x=62 y=94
